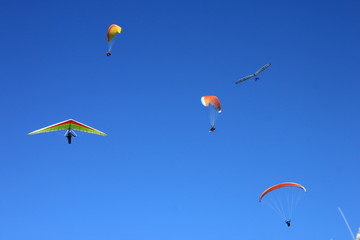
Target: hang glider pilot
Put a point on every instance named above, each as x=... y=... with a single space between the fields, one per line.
x=70 y=133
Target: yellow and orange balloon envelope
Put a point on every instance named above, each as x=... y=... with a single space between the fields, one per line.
x=112 y=31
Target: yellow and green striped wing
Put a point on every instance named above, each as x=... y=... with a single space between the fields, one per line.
x=68 y=125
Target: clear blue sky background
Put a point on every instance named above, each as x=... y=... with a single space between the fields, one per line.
x=160 y=175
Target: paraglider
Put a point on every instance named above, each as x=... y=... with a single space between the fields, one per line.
x=283 y=198
x=214 y=107
x=69 y=125
x=112 y=31
x=255 y=74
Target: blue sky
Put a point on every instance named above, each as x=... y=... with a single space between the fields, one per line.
x=160 y=174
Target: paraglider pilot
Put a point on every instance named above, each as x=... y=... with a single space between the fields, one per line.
x=288 y=222
x=212 y=129
x=108 y=54
x=69 y=133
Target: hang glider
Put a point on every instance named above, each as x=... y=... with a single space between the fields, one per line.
x=255 y=74
x=69 y=125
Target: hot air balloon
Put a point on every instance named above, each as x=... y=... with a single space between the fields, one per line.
x=213 y=103
x=112 y=31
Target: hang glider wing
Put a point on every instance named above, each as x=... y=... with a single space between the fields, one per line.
x=245 y=78
x=255 y=74
x=263 y=68
x=68 y=125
